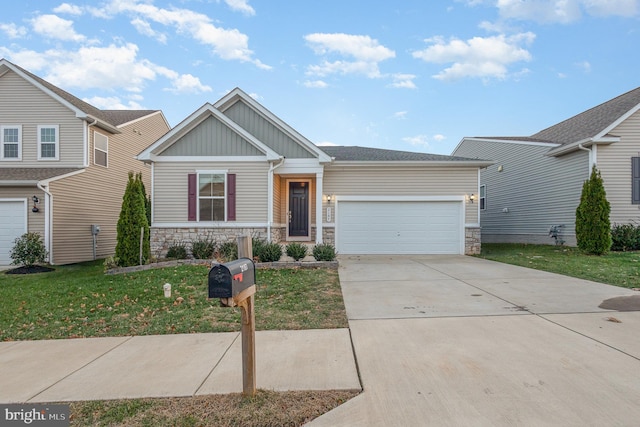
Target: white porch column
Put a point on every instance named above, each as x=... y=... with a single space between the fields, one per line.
x=319 y=216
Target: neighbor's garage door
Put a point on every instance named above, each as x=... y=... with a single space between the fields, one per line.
x=399 y=227
x=12 y=225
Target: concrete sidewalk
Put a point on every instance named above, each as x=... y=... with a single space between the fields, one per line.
x=173 y=365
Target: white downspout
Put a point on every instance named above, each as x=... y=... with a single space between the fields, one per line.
x=48 y=208
x=87 y=155
x=272 y=168
x=592 y=155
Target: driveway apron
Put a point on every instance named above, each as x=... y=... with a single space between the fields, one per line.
x=461 y=341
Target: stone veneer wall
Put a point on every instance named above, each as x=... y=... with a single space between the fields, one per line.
x=162 y=238
x=472 y=241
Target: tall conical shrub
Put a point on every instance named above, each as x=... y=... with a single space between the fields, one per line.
x=593 y=229
x=132 y=218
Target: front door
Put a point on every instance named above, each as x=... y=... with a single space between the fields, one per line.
x=298 y=209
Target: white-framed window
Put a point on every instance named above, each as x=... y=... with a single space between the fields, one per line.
x=100 y=149
x=11 y=142
x=483 y=197
x=212 y=190
x=48 y=142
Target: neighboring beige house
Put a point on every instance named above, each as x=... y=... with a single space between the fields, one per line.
x=64 y=166
x=536 y=181
x=235 y=168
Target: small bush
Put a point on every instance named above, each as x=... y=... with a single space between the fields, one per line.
x=203 y=248
x=297 y=251
x=229 y=251
x=324 y=252
x=177 y=251
x=28 y=250
x=257 y=246
x=625 y=237
x=110 y=263
x=271 y=252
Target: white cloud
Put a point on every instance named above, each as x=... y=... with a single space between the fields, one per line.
x=439 y=137
x=112 y=103
x=565 y=11
x=13 y=31
x=612 y=7
x=228 y=44
x=362 y=52
x=417 y=141
x=54 y=27
x=484 y=57
x=318 y=84
x=584 y=66
x=67 y=8
x=108 y=68
x=400 y=115
x=326 y=144
x=144 y=28
x=241 y=6
x=404 y=81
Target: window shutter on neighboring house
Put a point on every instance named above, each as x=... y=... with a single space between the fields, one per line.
x=231 y=197
x=635 y=180
x=193 y=196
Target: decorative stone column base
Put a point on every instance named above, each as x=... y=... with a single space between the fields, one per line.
x=472 y=241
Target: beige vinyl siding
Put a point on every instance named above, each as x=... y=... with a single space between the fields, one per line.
x=21 y=103
x=212 y=138
x=95 y=196
x=614 y=163
x=171 y=186
x=278 y=195
x=532 y=193
x=266 y=132
x=35 y=220
x=404 y=181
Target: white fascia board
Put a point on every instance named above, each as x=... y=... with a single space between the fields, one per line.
x=299 y=166
x=216 y=159
x=424 y=163
x=615 y=124
x=377 y=198
x=510 y=141
x=587 y=142
x=226 y=101
x=45 y=182
x=145 y=117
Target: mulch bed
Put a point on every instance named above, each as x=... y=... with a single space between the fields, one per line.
x=30 y=269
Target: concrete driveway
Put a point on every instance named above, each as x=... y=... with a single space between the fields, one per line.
x=461 y=341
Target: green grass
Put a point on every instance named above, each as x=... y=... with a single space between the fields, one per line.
x=81 y=301
x=615 y=268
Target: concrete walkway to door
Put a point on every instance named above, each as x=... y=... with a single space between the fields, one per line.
x=461 y=341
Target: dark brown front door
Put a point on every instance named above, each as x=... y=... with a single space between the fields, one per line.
x=298 y=209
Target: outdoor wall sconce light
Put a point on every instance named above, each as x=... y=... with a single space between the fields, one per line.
x=35 y=203
x=472 y=198
x=329 y=198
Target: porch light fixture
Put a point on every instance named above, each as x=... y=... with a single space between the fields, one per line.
x=35 y=202
x=329 y=198
x=472 y=198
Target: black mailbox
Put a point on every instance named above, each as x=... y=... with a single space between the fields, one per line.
x=229 y=279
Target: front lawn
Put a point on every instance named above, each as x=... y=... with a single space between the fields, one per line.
x=81 y=301
x=615 y=268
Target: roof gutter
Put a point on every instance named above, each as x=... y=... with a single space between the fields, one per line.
x=436 y=163
x=592 y=155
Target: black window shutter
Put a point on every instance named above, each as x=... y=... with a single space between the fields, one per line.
x=635 y=180
x=193 y=196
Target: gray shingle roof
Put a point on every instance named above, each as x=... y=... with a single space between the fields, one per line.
x=113 y=117
x=366 y=154
x=32 y=174
x=591 y=122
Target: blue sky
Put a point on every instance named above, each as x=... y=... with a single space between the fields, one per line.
x=409 y=75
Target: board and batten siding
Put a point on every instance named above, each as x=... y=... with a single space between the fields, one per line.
x=266 y=132
x=404 y=181
x=21 y=103
x=212 y=138
x=95 y=196
x=614 y=163
x=170 y=202
x=532 y=193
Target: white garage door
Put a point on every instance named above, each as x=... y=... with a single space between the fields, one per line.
x=399 y=227
x=12 y=224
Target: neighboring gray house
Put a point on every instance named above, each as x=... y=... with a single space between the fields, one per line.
x=234 y=168
x=536 y=181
